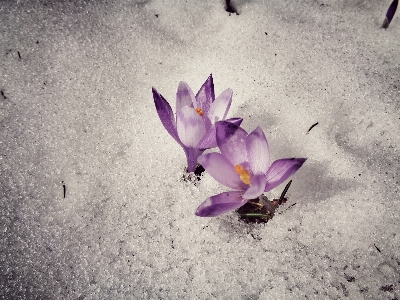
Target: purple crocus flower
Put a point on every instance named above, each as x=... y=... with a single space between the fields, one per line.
x=194 y=127
x=390 y=13
x=242 y=165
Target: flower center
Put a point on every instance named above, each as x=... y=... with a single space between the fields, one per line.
x=200 y=111
x=243 y=173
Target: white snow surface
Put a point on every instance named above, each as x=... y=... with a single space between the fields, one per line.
x=77 y=109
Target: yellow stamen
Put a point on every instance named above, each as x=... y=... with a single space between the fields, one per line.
x=199 y=111
x=244 y=174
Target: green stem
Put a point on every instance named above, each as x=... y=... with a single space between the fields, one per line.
x=254 y=215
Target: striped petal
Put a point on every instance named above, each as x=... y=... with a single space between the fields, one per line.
x=165 y=114
x=258 y=151
x=390 y=13
x=209 y=140
x=221 y=170
x=184 y=96
x=205 y=95
x=281 y=170
x=220 y=107
x=190 y=127
x=231 y=140
x=220 y=204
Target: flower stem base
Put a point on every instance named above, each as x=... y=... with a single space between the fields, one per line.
x=195 y=176
x=259 y=210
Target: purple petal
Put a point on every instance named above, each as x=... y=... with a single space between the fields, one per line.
x=281 y=170
x=221 y=170
x=220 y=107
x=166 y=115
x=257 y=185
x=192 y=155
x=236 y=121
x=390 y=13
x=209 y=140
x=221 y=203
x=190 y=127
x=231 y=140
x=205 y=95
x=258 y=151
x=207 y=122
x=184 y=96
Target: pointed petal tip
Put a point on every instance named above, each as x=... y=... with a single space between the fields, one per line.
x=258 y=151
x=205 y=96
x=154 y=91
x=385 y=24
x=301 y=160
x=297 y=162
x=184 y=96
x=390 y=14
x=220 y=107
x=280 y=170
x=236 y=121
x=201 y=213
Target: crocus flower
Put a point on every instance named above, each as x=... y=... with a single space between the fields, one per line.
x=242 y=165
x=194 y=127
x=390 y=13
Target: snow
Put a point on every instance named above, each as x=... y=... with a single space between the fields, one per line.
x=78 y=110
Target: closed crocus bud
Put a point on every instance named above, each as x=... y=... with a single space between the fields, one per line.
x=194 y=125
x=390 y=13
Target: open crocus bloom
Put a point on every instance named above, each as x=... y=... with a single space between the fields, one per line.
x=242 y=165
x=194 y=127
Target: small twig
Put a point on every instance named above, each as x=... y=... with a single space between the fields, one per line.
x=290 y=206
x=19 y=55
x=4 y=96
x=312 y=126
x=65 y=188
x=284 y=192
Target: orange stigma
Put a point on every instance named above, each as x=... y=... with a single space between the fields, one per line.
x=243 y=173
x=199 y=111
